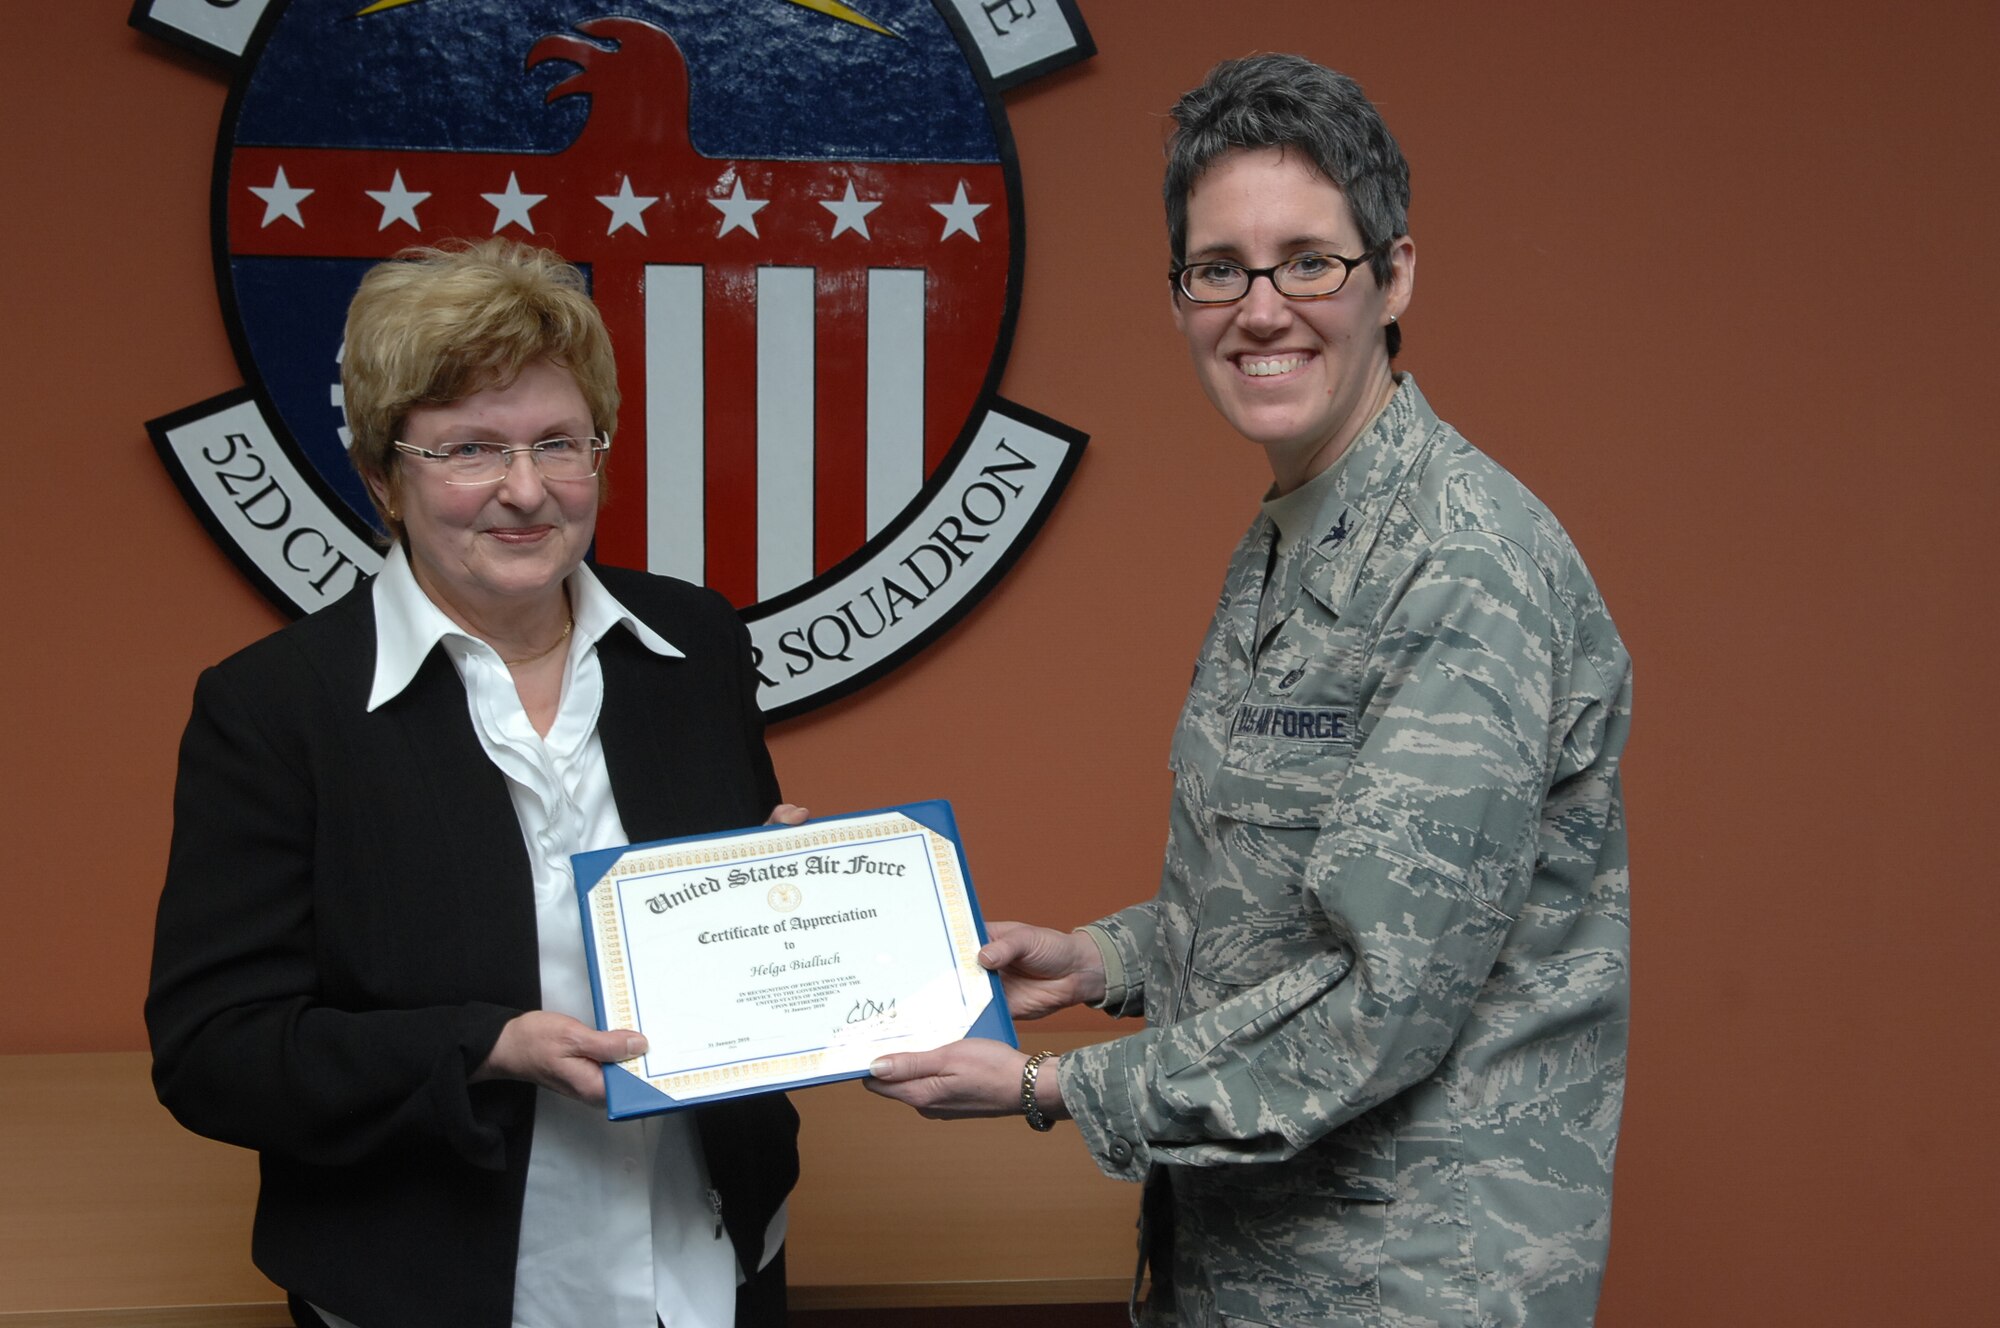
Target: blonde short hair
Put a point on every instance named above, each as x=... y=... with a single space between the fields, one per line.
x=436 y=325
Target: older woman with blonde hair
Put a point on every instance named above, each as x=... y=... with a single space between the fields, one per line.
x=369 y=963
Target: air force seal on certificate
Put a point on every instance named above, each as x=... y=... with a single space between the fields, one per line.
x=801 y=219
x=784 y=956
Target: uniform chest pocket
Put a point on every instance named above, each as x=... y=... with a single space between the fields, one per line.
x=1283 y=767
x=1287 y=742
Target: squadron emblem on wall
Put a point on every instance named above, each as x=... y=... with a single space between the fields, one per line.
x=801 y=219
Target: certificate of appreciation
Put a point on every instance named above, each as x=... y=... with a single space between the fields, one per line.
x=784 y=956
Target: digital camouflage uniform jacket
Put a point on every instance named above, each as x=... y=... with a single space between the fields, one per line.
x=1386 y=971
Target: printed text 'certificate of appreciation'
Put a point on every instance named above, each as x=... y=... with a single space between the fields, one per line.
x=783 y=956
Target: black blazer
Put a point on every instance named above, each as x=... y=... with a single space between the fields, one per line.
x=348 y=921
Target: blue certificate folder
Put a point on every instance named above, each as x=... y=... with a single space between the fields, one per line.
x=629 y=1094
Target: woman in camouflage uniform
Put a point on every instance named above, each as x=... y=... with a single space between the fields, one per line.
x=1385 y=973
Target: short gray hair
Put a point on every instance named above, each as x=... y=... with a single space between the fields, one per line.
x=1287 y=101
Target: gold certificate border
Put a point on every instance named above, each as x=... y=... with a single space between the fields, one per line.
x=615 y=973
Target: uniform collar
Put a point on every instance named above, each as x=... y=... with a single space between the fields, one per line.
x=408 y=626
x=1368 y=478
x=1295 y=514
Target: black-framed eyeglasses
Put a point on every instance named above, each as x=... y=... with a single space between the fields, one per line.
x=474 y=462
x=1306 y=277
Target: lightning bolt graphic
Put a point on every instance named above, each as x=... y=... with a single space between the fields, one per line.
x=830 y=8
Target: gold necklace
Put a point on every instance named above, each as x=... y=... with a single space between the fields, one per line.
x=545 y=651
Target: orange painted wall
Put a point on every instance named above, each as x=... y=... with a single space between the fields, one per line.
x=1715 y=279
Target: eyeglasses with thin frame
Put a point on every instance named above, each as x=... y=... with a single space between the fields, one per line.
x=1304 y=277
x=473 y=462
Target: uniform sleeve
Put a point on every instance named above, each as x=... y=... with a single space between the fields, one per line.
x=1421 y=865
x=1125 y=940
x=243 y=1048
